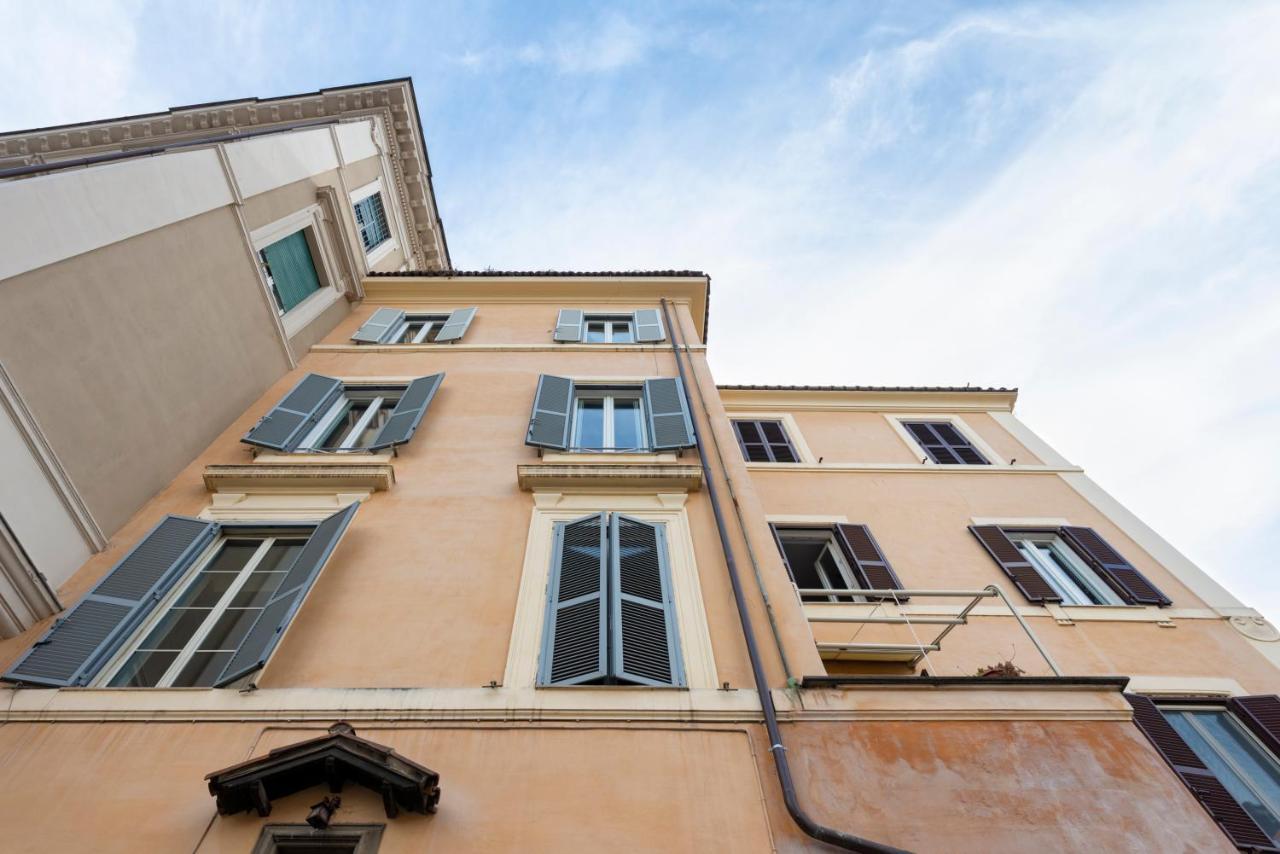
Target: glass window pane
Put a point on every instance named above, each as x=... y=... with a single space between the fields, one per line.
x=175 y=628
x=230 y=628
x=207 y=588
x=1247 y=772
x=622 y=333
x=627 y=432
x=280 y=556
x=410 y=331
x=595 y=333
x=143 y=669
x=202 y=670
x=589 y=424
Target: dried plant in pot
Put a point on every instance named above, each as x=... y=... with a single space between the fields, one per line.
x=1002 y=669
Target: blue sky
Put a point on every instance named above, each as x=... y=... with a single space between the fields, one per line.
x=1079 y=200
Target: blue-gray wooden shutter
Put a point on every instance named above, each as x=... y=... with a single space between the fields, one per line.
x=289 y=421
x=78 y=644
x=380 y=326
x=648 y=325
x=569 y=324
x=669 y=423
x=550 y=419
x=279 y=611
x=456 y=326
x=645 y=643
x=867 y=559
x=1132 y=585
x=408 y=413
x=574 y=637
x=1014 y=564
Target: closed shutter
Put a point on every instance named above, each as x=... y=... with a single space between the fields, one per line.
x=863 y=553
x=645 y=645
x=380 y=326
x=1261 y=714
x=1234 y=821
x=569 y=324
x=1017 y=567
x=550 y=419
x=293 y=272
x=456 y=326
x=648 y=325
x=292 y=418
x=575 y=645
x=669 y=423
x=944 y=444
x=1132 y=585
x=765 y=442
x=80 y=643
x=275 y=616
x=408 y=413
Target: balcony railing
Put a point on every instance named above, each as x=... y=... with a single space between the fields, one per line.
x=914 y=652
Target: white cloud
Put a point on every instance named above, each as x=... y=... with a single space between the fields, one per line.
x=605 y=44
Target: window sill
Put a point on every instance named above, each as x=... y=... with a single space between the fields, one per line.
x=382 y=250
x=300 y=316
x=609 y=473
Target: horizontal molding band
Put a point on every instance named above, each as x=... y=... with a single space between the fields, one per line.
x=910 y=468
x=499 y=348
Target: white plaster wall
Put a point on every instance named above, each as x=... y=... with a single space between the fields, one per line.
x=355 y=140
x=272 y=161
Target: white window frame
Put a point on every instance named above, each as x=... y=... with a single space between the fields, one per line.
x=386 y=247
x=608 y=394
x=899 y=423
x=429 y=322
x=610 y=321
x=850 y=578
x=127 y=649
x=297 y=318
x=1068 y=588
x=327 y=422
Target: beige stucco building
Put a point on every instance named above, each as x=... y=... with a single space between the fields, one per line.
x=494 y=555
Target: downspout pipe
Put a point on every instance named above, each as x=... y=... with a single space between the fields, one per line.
x=821 y=832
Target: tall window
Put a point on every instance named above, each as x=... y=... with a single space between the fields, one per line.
x=816 y=562
x=765 y=442
x=608 y=419
x=371 y=219
x=355 y=419
x=1064 y=570
x=944 y=443
x=291 y=270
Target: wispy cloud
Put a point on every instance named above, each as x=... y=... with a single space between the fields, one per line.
x=607 y=43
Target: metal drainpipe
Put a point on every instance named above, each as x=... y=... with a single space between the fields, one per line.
x=806 y=823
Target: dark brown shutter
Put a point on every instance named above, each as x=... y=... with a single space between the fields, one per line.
x=773 y=529
x=864 y=555
x=1017 y=567
x=1213 y=796
x=1132 y=585
x=1261 y=714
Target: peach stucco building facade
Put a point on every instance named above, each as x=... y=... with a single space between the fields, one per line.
x=540 y=588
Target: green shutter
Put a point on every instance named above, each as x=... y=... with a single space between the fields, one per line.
x=292 y=269
x=575 y=640
x=408 y=413
x=379 y=328
x=75 y=649
x=644 y=643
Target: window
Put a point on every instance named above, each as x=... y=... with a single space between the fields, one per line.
x=650 y=416
x=635 y=327
x=1064 y=570
x=291 y=269
x=1071 y=565
x=326 y=415
x=608 y=419
x=765 y=442
x=610 y=611
x=194 y=603
x=303 y=839
x=371 y=219
x=394 y=326
x=944 y=443
x=608 y=329
x=835 y=557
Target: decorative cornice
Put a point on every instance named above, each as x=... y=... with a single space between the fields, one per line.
x=336 y=477
x=572 y=476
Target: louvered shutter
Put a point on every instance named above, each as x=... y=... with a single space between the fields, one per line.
x=380 y=326
x=645 y=648
x=668 y=409
x=408 y=413
x=292 y=418
x=786 y=561
x=276 y=615
x=569 y=324
x=1261 y=714
x=1017 y=567
x=456 y=326
x=80 y=643
x=575 y=643
x=550 y=419
x=864 y=555
x=648 y=325
x=1234 y=821
x=1132 y=585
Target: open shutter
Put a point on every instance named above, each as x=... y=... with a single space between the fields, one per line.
x=456 y=326
x=380 y=326
x=408 y=413
x=644 y=641
x=648 y=325
x=1132 y=585
x=270 y=626
x=669 y=423
x=575 y=644
x=569 y=324
x=863 y=553
x=1234 y=821
x=549 y=421
x=786 y=562
x=79 y=643
x=289 y=420
x=1261 y=714
x=1017 y=567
